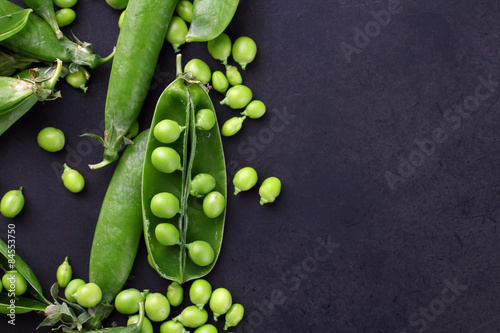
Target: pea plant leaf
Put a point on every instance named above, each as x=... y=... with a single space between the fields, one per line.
x=11 y=24
x=19 y=304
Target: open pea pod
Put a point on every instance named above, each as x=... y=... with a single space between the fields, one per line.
x=210 y=19
x=200 y=151
x=10 y=260
x=13 y=23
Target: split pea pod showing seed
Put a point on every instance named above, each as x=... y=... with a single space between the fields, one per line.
x=201 y=170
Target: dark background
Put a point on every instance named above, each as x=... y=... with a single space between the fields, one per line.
x=372 y=157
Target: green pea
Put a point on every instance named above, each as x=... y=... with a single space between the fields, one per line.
x=78 y=79
x=167 y=234
x=117 y=4
x=133 y=130
x=192 y=317
x=147 y=327
x=15 y=281
x=127 y=301
x=255 y=109
x=12 y=203
x=220 y=48
x=244 y=179
x=200 y=292
x=205 y=119
x=65 y=3
x=244 y=51
x=269 y=190
x=176 y=32
x=201 y=184
x=121 y=18
x=72 y=179
x=65 y=16
x=165 y=205
x=157 y=307
x=166 y=159
x=207 y=328
x=232 y=126
x=88 y=295
x=64 y=273
x=167 y=131
x=234 y=315
x=199 y=69
x=200 y=252
x=71 y=288
x=233 y=75
x=237 y=97
x=51 y=139
x=220 y=302
x=172 y=327
x=175 y=294
x=213 y=204
x=184 y=9
x=220 y=82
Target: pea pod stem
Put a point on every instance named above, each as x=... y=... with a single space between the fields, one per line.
x=45 y=8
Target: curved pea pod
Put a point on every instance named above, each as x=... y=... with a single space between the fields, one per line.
x=45 y=8
x=119 y=227
x=38 y=40
x=13 y=23
x=210 y=19
x=179 y=102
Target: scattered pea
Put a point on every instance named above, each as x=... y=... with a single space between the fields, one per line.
x=121 y=18
x=269 y=190
x=167 y=131
x=164 y=205
x=200 y=252
x=71 y=288
x=72 y=179
x=192 y=317
x=199 y=69
x=237 y=97
x=255 y=109
x=244 y=179
x=167 y=234
x=65 y=16
x=78 y=79
x=205 y=119
x=166 y=159
x=220 y=302
x=207 y=328
x=15 y=279
x=12 y=203
x=213 y=204
x=172 y=327
x=234 y=315
x=184 y=9
x=127 y=301
x=220 y=82
x=176 y=32
x=201 y=184
x=157 y=307
x=51 y=139
x=232 y=126
x=147 y=327
x=64 y=273
x=175 y=294
x=200 y=292
x=117 y=4
x=65 y=3
x=88 y=295
x=233 y=75
x=220 y=48
x=244 y=51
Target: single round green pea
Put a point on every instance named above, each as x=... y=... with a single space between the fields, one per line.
x=200 y=292
x=65 y=16
x=199 y=69
x=220 y=302
x=167 y=234
x=121 y=18
x=234 y=315
x=167 y=131
x=147 y=327
x=72 y=179
x=201 y=253
x=214 y=204
x=133 y=130
x=205 y=119
x=233 y=75
x=232 y=126
x=157 y=307
x=164 y=205
x=184 y=9
x=192 y=317
x=15 y=281
x=220 y=82
x=172 y=327
x=176 y=32
x=244 y=51
x=166 y=159
x=65 y=3
x=237 y=97
x=127 y=301
x=269 y=190
x=51 y=139
x=78 y=79
x=89 y=295
x=71 y=288
x=175 y=294
x=244 y=179
x=220 y=48
x=117 y=4
x=201 y=184
x=255 y=109
x=207 y=328
x=64 y=273
x=12 y=203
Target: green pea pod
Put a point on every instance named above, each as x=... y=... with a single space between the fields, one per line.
x=139 y=44
x=45 y=8
x=11 y=62
x=20 y=304
x=210 y=19
x=13 y=23
x=10 y=260
x=201 y=152
x=38 y=40
x=119 y=227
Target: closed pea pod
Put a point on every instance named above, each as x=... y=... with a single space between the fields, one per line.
x=269 y=190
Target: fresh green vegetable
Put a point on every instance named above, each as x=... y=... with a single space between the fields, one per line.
x=11 y=62
x=78 y=78
x=166 y=159
x=244 y=179
x=205 y=119
x=184 y=9
x=45 y=8
x=199 y=69
x=12 y=203
x=72 y=288
x=51 y=139
x=176 y=32
x=11 y=24
x=207 y=328
x=220 y=82
x=214 y=204
x=134 y=130
x=172 y=327
x=89 y=295
x=201 y=152
x=244 y=51
x=118 y=4
x=201 y=253
x=157 y=307
x=167 y=234
x=175 y=294
x=234 y=315
x=167 y=131
x=72 y=179
x=121 y=18
x=65 y=16
x=15 y=282
x=138 y=47
x=64 y=273
x=165 y=205
x=200 y=292
x=220 y=302
x=202 y=184
x=127 y=301
x=140 y=323
x=232 y=126
x=255 y=109
x=220 y=48
x=203 y=25
x=233 y=75
x=237 y=97
x=269 y=190
x=192 y=317
x=65 y=3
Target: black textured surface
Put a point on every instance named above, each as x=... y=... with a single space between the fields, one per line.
x=384 y=131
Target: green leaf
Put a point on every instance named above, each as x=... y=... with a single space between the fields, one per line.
x=210 y=19
x=13 y=23
x=21 y=304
